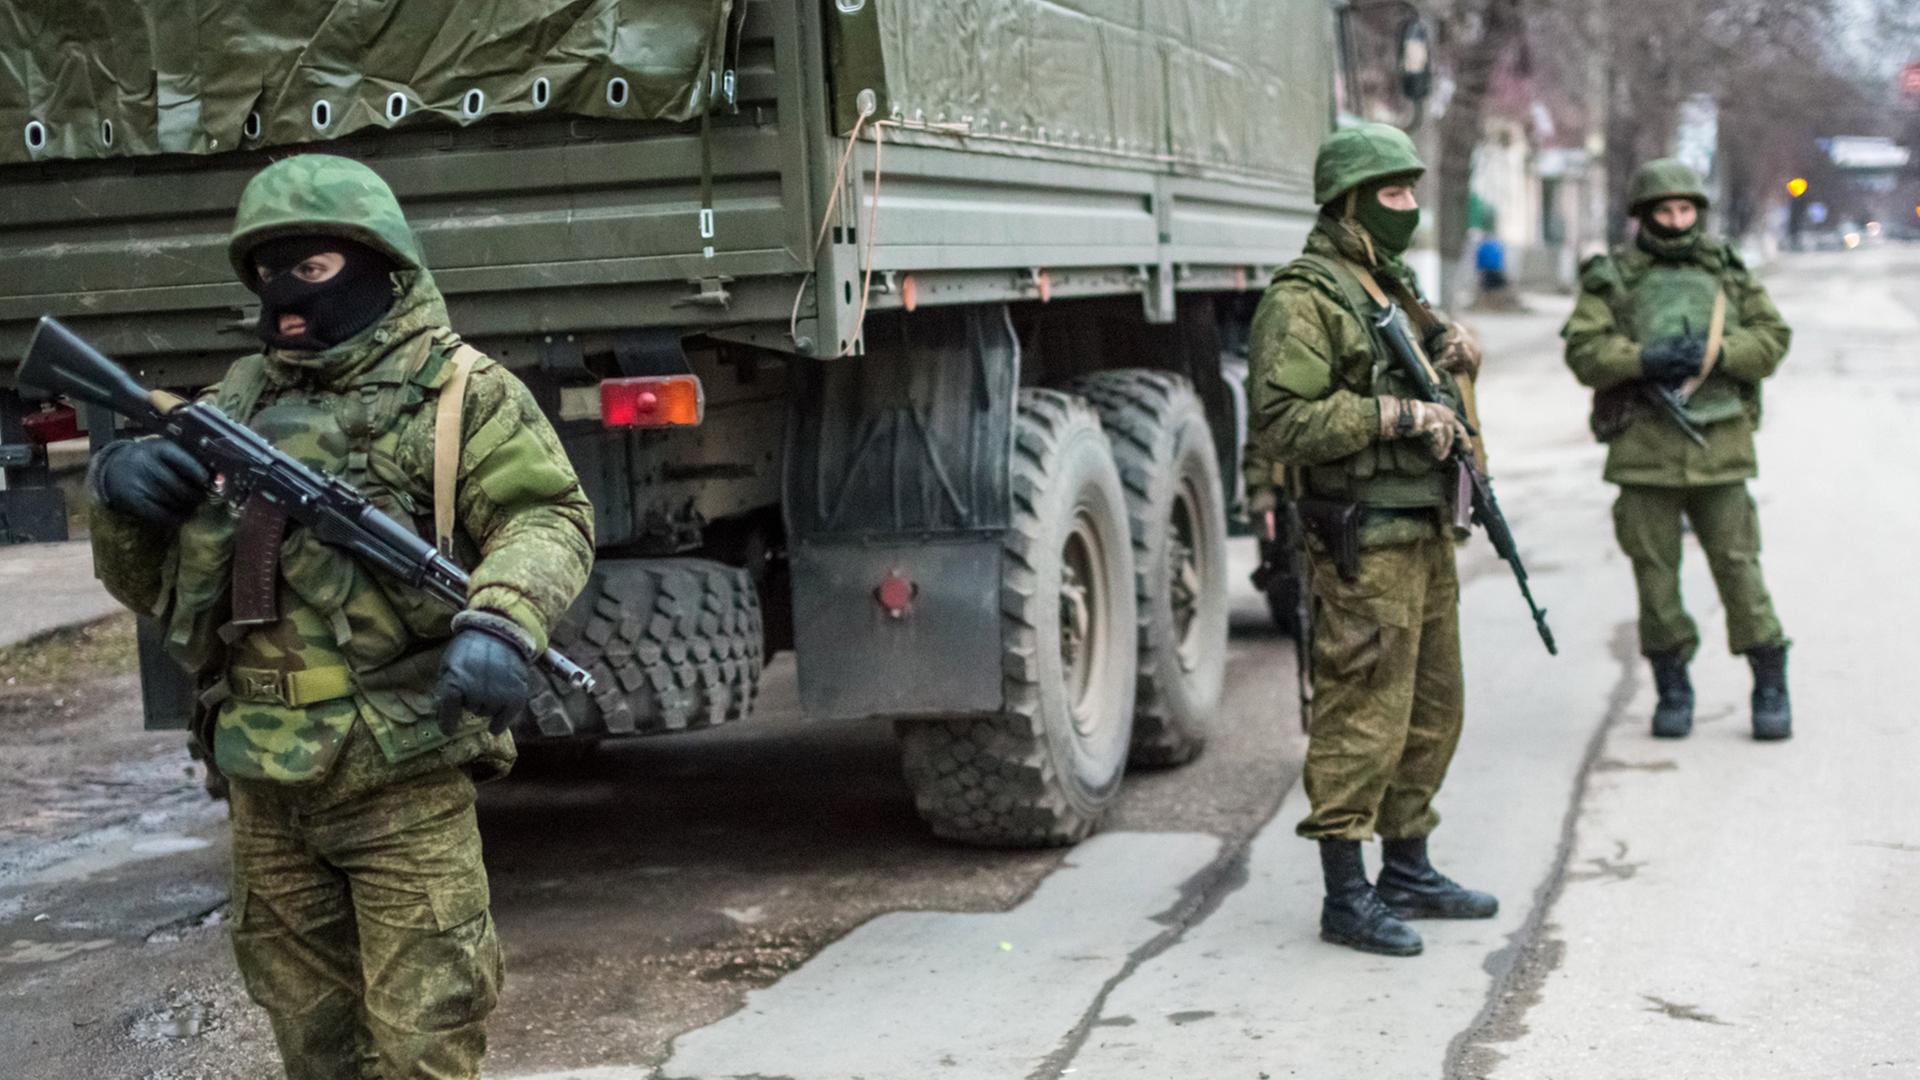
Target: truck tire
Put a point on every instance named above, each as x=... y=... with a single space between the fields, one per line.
x=675 y=644
x=1177 y=517
x=1042 y=772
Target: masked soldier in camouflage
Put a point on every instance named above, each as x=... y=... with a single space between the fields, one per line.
x=1672 y=329
x=351 y=715
x=1367 y=465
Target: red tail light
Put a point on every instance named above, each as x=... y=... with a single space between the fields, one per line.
x=652 y=402
x=51 y=425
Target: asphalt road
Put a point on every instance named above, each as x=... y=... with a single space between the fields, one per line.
x=761 y=901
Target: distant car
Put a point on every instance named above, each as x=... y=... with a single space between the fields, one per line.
x=1822 y=240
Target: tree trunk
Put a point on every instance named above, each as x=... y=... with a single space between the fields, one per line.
x=1460 y=130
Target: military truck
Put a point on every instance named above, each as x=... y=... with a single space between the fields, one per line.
x=907 y=335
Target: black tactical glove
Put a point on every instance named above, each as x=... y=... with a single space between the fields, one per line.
x=150 y=479
x=485 y=670
x=1672 y=360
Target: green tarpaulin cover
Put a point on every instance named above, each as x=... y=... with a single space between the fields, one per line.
x=100 y=78
x=1230 y=83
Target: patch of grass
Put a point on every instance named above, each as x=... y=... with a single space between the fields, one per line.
x=96 y=649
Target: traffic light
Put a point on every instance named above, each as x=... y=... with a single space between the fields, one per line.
x=1797 y=186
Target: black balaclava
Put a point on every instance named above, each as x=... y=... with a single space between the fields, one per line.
x=335 y=309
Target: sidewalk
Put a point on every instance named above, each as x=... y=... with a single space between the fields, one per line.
x=47 y=586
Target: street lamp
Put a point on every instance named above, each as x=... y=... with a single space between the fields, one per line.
x=1797 y=186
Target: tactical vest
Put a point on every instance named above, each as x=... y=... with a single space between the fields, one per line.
x=1389 y=473
x=348 y=644
x=1663 y=299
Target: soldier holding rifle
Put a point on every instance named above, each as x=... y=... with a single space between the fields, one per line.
x=1376 y=469
x=1674 y=335
x=355 y=682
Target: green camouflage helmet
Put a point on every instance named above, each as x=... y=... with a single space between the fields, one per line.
x=1665 y=178
x=1362 y=154
x=320 y=195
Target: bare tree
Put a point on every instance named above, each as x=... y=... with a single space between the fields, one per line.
x=1474 y=35
x=1770 y=66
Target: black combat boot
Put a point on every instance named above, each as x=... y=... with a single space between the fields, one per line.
x=1673 y=716
x=1415 y=890
x=1352 y=915
x=1772 y=710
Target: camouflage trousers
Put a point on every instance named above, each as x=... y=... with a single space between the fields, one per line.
x=1388 y=692
x=361 y=922
x=1647 y=522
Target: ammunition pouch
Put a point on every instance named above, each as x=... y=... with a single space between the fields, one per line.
x=1613 y=410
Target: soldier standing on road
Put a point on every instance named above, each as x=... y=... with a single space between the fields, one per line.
x=1670 y=328
x=1373 y=486
x=351 y=715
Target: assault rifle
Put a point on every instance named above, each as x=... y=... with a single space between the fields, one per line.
x=1672 y=401
x=1485 y=508
x=249 y=467
x=1667 y=400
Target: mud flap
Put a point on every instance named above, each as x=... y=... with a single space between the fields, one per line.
x=897 y=499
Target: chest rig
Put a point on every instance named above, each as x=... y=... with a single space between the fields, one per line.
x=1397 y=474
x=1687 y=298
x=310 y=639
x=1652 y=299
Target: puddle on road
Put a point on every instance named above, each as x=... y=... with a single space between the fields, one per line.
x=111 y=849
x=186 y=1021
x=169 y=845
x=49 y=952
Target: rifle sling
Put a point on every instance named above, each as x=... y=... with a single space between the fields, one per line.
x=1415 y=310
x=1716 y=336
x=446 y=445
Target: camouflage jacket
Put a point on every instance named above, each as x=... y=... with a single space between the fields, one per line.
x=1314 y=378
x=364 y=648
x=1603 y=351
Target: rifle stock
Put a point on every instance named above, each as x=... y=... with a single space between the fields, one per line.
x=61 y=362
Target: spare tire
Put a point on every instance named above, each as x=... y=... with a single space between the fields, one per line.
x=674 y=644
